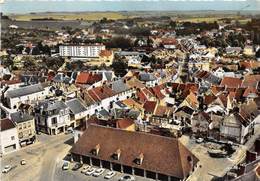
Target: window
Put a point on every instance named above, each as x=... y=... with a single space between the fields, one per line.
x=53 y=120
x=24 y=125
x=29 y=124
x=20 y=127
x=12 y=137
x=20 y=135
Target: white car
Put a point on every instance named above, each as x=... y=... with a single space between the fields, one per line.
x=85 y=169
x=199 y=140
x=90 y=171
x=127 y=178
x=7 y=169
x=98 y=172
x=110 y=174
x=66 y=165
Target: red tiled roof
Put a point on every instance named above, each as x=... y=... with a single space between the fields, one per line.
x=157 y=91
x=161 y=154
x=249 y=90
x=141 y=96
x=231 y=82
x=149 y=106
x=88 y=78
x=105 y=53
x=6 y=124
x=251 y=81
x=100 y=93
x=82 y=78
x=124 y=123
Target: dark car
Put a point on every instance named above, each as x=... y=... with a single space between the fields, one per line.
x=77 y=166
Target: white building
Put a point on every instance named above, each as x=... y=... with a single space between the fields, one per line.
x=27 y=95
x=82 y=51
x=9 y=141
x=52 y=117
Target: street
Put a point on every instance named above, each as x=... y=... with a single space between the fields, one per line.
x=40 y=157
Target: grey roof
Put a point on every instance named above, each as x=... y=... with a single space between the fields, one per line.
x=62 y=78
x=121 y=104
x=49 y=105
x=108 y=75
x=104 y=113
x=76 y=106
x=147 y=77
x=119 y=86
x=23 y=91
x=20 y=117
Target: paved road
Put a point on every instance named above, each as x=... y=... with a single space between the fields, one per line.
x=41 y=159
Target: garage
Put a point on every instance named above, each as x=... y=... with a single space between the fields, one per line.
x=105 y=164
x=95 y=162
x=10 y=148
x=151 y=175
x=127 y=169
x=116 y=167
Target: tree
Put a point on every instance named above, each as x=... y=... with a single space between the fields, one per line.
x=119 y=67
x=7 y=61
x=119 y=42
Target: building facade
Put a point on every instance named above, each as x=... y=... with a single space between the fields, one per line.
x=83 y=51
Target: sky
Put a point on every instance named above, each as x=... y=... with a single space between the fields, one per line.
x=27 y=6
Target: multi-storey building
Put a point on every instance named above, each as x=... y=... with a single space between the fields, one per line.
x=81 y=51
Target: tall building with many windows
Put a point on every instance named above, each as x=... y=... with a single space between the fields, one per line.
x=82 y=51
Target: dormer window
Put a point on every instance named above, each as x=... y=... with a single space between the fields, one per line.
x=95 y=150
x=139 y=159
x=116 y=154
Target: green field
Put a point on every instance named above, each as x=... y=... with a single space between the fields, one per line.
x=70 y=16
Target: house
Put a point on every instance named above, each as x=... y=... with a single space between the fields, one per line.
x=134 y=153
x=52 y=117
x=9 y=136
x=239 y=125
x=200 y=122
x=27 y=95
x=106 y=57
x=148 y=78
x=25 y=127
x=78 y=112
x=231 y=82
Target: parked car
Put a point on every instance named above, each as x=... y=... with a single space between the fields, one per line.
x=127 y=178
x=98 y=172
x=23 y=162
x=77 y=166
x=7 y=169
x=110 y=174
x=199 y=140
x=85 y=169
x=66 y=165
x=90 y=171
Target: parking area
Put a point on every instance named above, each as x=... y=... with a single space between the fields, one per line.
x=68 y=175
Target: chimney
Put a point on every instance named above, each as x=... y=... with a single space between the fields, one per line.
x=117 y=154
x=95 y=151
x=139 y=159
x=250 y=156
